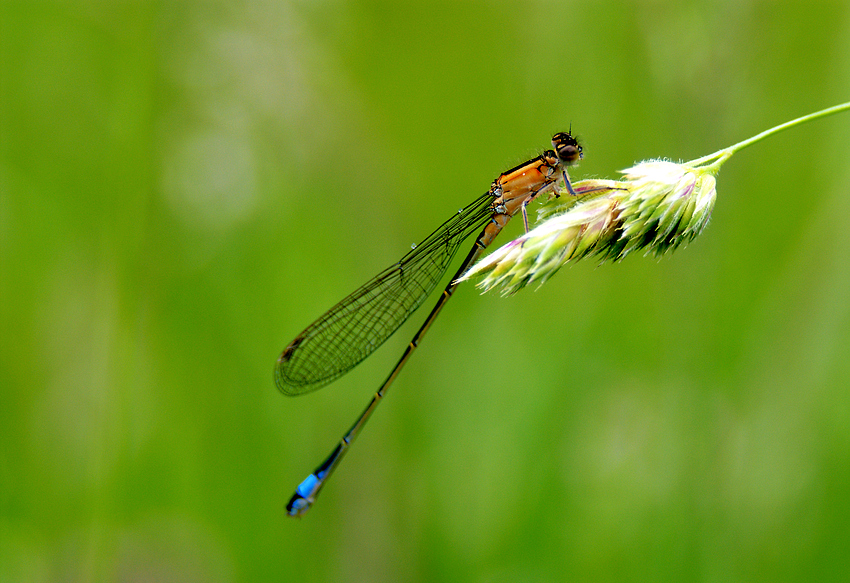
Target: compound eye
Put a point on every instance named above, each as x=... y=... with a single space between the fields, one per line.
x=566 y=147
x=569 y=153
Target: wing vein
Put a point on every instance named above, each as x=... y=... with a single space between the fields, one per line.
x=355 y=327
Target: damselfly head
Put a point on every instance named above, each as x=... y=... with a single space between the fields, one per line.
x=566 y=147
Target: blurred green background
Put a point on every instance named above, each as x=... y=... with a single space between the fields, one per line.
x=186 y=186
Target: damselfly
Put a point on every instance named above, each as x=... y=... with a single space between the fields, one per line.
x=351 y=330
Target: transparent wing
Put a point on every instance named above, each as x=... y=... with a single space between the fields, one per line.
x=351 y=330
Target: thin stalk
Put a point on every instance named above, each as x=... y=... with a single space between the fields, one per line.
x=726 y=153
